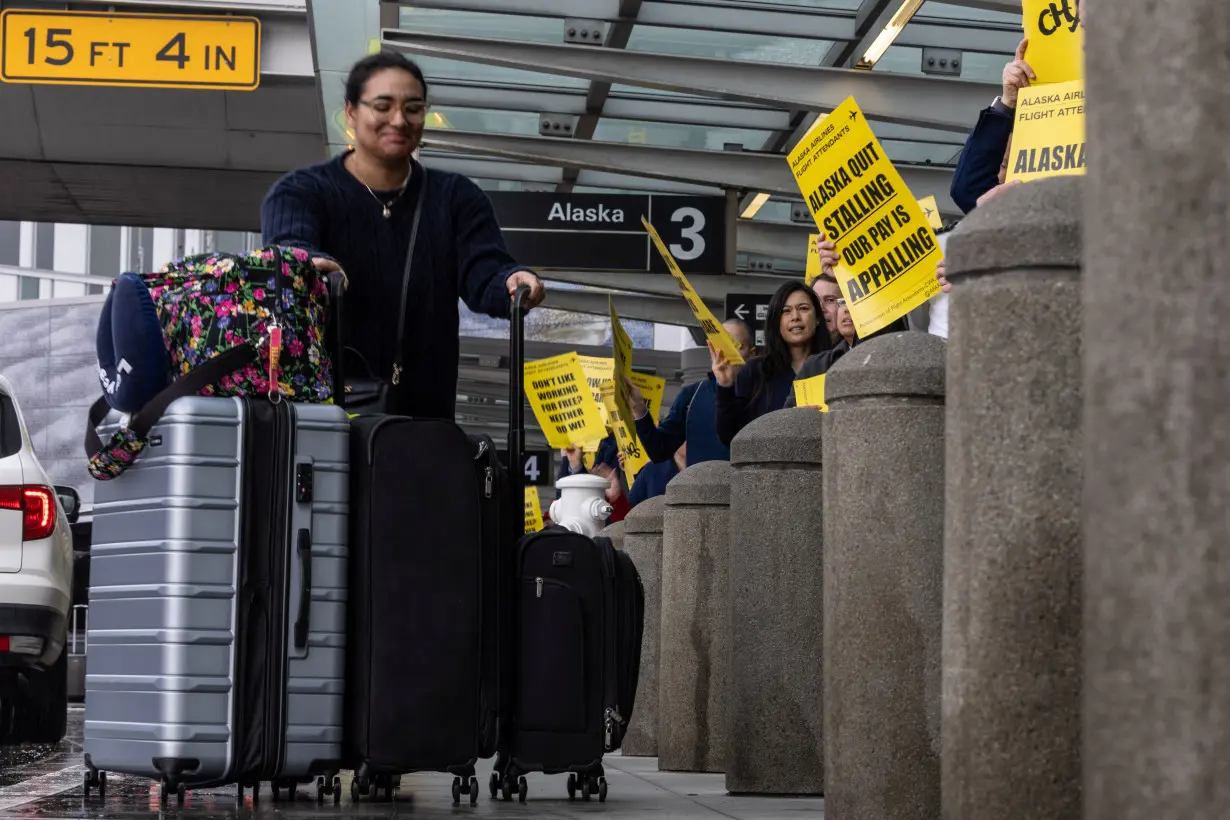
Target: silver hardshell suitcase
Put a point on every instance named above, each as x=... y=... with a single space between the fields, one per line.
x=218 y=600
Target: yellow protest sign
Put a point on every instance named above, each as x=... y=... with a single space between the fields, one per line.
x=635 y=457
x=813 y=271
x=599 y=369
x=931 y=211
x=533 y=510
x=888 y=251
x=621 y=345
x=714 y=332
x=810 y=393
x=1048 y=139
x=1056 y=50
x=589 y=454
x=561 y=401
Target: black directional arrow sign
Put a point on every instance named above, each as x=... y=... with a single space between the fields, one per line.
x=751 y=308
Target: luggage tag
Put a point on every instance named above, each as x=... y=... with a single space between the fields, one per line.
x=275 y=355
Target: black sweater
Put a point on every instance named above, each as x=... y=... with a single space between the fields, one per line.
x=459 y=253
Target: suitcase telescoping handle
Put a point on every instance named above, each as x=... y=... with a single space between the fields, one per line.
x=516 y=397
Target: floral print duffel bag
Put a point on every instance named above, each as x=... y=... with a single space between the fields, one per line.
x=233 y=325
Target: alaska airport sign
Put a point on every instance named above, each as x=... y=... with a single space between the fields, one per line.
x=604 y=232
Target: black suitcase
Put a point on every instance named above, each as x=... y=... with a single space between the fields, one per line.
x=579 y=613
x=434 y=516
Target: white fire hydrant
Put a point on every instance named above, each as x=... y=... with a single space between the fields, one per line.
x=582 y=506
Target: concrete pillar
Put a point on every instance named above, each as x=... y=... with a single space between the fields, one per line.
x=615 y=532
x=1012 y=545
x=777 y=607
x=883 y=579
x=643 y=543
x=695 y=647
x=1157 y=393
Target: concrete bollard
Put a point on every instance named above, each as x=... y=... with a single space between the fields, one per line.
x=615 y=532
x=883 y=579
x=1157 y=443
x=643 y=543
x=695 y=641
x=1012 y=549
x=777 y=606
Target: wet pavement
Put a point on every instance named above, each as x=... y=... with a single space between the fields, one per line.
x=46 y=782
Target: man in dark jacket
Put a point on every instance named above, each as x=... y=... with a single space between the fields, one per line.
x=983 y=162
x=692 y=417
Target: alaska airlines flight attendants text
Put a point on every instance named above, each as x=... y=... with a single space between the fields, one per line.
x=357 y=212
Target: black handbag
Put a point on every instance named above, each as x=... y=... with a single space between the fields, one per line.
x=368 y=393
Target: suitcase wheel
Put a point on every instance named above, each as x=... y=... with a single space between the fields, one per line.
x=588 y=785
x=329 y=787
x=467 y=787
x=95 y=779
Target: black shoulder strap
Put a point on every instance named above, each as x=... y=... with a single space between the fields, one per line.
x=405 y=284
x=193 y=382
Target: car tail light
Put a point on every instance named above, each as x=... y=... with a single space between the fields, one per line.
x=21 y=644
x=38 y=508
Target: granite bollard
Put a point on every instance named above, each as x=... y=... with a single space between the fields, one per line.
x=643 y=543
x=1011 y=740
x=776 y=710
x=694 y=652
x=1157 y=389
x=883 y=579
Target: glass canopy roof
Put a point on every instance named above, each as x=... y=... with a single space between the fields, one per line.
x=475 y=97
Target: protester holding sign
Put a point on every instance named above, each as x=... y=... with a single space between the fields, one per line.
x=982 y=164
x=692 y=419
x=793 y=332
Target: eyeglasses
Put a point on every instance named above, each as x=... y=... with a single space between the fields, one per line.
x=840 y=303
x=383 y=107
x=828 y=301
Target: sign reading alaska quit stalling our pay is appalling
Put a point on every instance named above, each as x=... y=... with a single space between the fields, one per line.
x=888 y=251
x=48 y=47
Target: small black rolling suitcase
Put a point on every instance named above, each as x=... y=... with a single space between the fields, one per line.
x=578 y=615
x=434 y=519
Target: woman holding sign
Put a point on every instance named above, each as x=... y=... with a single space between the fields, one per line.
x=764 y=383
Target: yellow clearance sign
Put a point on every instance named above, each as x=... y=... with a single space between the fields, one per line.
x=141 y=50
x=1048 y=139
x=888 y=249
x=1056 y=50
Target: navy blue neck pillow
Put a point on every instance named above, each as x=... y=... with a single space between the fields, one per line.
x=133 y=363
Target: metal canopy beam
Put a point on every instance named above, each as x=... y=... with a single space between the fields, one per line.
x=982 y=38
x=737 y=170
x=571 y=102
x=946 y=104
x=711 y=287
x=668 y=310
x=1006 y=6
x=600 y=90
x=735 y=17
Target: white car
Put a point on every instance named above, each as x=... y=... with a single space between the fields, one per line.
x=36 y=586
